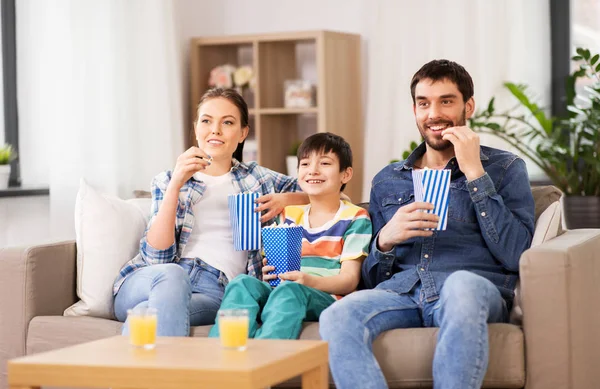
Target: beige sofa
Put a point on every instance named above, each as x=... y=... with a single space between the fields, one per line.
x=558 y=345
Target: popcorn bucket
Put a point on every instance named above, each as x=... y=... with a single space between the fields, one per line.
x=433 y=186
x=283 y=249
x=244 y=221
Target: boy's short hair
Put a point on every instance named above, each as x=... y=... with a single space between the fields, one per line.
x=326 y=142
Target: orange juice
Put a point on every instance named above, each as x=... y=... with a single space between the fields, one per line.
x=233 y=331
x=142 y=330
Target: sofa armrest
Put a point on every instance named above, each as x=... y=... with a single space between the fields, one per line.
x=560 y=285
x=34 y=281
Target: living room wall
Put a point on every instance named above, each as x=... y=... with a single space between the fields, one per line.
x=496 y=41
x=123 y=115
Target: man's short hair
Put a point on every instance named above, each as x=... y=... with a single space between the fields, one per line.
x=443 y=69
x=323 y=143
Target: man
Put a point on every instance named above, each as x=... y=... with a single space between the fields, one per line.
x=459 y=279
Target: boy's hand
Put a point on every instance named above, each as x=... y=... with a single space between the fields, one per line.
x=274 y=203
x=298 y=277
x=267 y=269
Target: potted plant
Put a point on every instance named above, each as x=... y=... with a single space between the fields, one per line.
x=566 y=148
x=7 y=154
x=291 y=160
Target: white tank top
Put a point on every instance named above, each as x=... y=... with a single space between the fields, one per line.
x=211 y=238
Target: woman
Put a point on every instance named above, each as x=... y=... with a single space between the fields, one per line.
x=182 y=271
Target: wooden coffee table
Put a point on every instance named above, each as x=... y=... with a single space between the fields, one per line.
x=174 y=363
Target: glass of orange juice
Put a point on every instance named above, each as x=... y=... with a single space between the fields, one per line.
x=233 y=328
x=142 y=327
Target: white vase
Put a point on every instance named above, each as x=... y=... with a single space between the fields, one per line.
x=4 y=176
x=291 y=162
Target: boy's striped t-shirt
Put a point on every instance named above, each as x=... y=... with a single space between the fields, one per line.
x=346 y=237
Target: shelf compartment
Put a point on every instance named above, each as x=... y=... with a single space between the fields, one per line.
x=280 y=61
x=288 y=111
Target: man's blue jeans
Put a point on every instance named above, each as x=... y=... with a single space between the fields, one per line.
x=467 y=303
x=184 y=294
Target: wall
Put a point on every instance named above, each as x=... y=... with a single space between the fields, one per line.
x=232 y=17
x=495 y=41
x=364 y=17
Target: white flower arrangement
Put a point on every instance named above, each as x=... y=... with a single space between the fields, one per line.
x=242 y=76
x=228 y=76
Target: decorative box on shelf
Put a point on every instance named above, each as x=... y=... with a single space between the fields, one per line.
x=299 y=94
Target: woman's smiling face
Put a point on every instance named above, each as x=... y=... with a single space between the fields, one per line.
x=219 y=129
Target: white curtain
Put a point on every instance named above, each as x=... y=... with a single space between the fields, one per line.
x=496 y=41
x=100 y=97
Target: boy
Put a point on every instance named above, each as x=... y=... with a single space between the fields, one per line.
x=335 y=240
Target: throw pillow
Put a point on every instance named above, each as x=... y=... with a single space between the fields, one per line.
x=107 y=233
x=548 y=226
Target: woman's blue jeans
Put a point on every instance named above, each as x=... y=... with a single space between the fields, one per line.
x=467 y=303
x=184 y=294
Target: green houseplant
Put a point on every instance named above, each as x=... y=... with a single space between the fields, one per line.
x=7 y=154
x=566 y=148
x=413 y=145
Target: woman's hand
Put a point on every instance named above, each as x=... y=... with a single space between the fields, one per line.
x=191 y=161
x=267 y=269
x=274 y=203
x=298 y=277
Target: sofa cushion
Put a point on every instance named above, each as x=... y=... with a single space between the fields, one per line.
x=548 y=226
x=108 y=231
x=51 y=332
x=543 y=196
x=405 y=355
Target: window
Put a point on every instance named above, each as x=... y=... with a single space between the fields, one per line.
x=585 y=33
x=585 y=24
x=9 y=77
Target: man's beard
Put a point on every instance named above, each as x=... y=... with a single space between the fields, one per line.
x=430 y=138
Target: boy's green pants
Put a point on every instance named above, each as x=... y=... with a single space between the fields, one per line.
x=281 y=310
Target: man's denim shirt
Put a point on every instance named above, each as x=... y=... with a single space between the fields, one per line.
x=490 y=224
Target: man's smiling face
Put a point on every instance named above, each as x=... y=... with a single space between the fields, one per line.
x=439 y=105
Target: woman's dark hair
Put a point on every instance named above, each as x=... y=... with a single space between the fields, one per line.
x=326 y=142
x=234 y=98
x=442 y=69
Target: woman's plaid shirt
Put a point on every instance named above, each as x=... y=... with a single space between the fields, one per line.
x=249 y=177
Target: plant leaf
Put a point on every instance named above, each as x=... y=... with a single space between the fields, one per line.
x=518 y=92
x=490 y=108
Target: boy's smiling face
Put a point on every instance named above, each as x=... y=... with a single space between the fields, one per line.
x=319 y=174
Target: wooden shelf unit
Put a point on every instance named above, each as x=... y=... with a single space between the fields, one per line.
x=335 y=62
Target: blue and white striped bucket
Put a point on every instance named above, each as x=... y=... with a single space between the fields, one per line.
x=244 y=221
x=433 y=186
